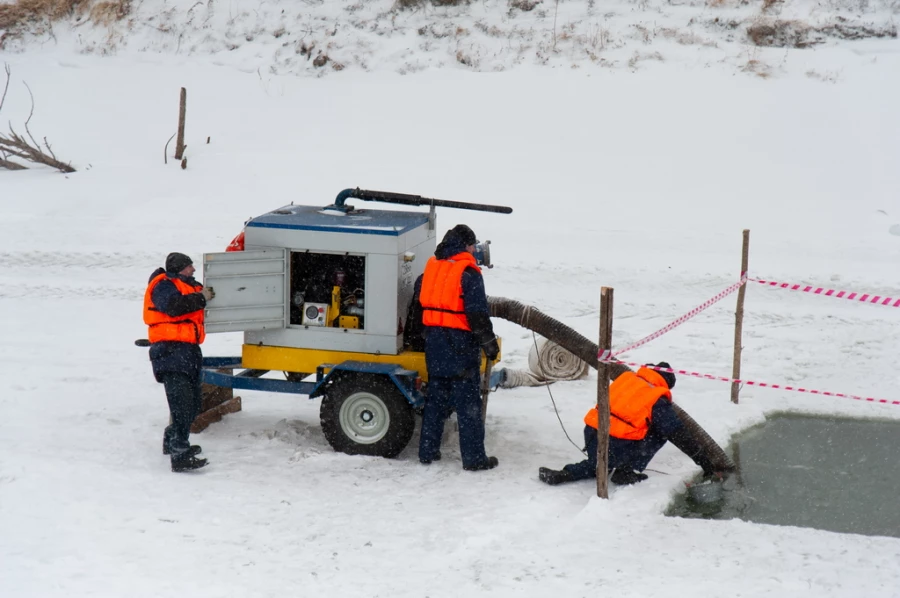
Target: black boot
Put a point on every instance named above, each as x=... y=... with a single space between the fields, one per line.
x=193 y=450
x=626 y=477
x=491 y=463
x=428 y=461
x=553 y=476
x=187 y=462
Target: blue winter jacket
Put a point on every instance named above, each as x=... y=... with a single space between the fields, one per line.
x=170 y=356
x=451 y=352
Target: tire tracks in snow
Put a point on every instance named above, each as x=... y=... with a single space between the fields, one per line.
x=75 y=275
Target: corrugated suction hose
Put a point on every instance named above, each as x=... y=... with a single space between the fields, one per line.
x=534 y=319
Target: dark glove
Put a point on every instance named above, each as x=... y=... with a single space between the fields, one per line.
x=491 y=349
x=626 y=477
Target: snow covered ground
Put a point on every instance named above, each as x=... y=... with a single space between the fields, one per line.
x=639 y=179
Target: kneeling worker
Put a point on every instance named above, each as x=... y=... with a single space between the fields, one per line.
x=641 y=420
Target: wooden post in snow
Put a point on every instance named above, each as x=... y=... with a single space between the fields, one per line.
x=605 y=344
x=182 y=109
x=739 y=319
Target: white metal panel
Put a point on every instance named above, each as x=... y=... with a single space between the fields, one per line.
x=250 y=288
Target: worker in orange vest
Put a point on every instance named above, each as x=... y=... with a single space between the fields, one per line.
x=457 y=329
x=641 y=421
x=173 y=311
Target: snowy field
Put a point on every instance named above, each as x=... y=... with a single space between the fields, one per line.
x=640 y=179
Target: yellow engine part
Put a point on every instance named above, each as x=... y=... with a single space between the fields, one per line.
x=335 y=310
x=348 y=322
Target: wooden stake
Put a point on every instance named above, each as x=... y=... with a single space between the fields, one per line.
x=605 y=344
x=739 y=320
x=182 y=109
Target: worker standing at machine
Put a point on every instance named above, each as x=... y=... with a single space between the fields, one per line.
x=457 y=328
x=173 y=311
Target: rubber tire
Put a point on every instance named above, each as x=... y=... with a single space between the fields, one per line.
x=380 y=389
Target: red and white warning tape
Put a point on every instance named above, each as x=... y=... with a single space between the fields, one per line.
x=853 y=296
x=603 y=355
x=760 y=384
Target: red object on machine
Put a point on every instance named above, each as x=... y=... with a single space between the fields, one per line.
x=237 y=243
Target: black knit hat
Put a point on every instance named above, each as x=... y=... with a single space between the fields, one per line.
x=176 y=262
x=463 y=233
x=669 y=377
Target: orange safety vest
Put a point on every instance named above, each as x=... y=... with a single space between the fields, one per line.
x=631 y=400
x=184 y=329
x=441 y=293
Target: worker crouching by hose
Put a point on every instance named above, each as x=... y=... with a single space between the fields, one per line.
x=641 y=421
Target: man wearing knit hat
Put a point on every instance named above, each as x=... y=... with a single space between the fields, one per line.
x=641 y=421
x=457 y=328
x=173 y=311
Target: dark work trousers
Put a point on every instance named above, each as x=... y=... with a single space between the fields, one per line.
x=183 y=394
x=464 y=395
x=631 y=455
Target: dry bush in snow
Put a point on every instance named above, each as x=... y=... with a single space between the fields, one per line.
x=25 y=147
x=20 y=16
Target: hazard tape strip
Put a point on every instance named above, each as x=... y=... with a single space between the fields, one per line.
x=759 y=384
x=603 y=355
x=852 y=296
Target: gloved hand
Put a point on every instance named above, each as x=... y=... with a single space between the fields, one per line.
x=208 y=293
x=716 y=476
x=491 y=349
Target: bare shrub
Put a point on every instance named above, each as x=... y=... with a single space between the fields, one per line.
x=417 y=4
x=795 y=34
x=826 y=77
x=26 y=147
x=21 y=16
x=107 y=13
x=779 y=34
x=523 y=5
x=464 y=59
x=409 y=4
x=758 y=68
x=492 y=30
x=638 y=57
x=16 y=15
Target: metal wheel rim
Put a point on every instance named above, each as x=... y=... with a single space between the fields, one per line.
x=364 y=418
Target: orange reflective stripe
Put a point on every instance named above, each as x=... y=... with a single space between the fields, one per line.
x=187 y=328
x=441 y=292
x=631 y=400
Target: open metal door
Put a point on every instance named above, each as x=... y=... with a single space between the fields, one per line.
x=250 y=289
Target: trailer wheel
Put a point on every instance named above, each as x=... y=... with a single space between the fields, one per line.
x=366 y=415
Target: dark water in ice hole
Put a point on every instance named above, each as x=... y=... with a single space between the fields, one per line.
x=841 y=475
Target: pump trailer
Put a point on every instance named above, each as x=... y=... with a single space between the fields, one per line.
x=322 y=294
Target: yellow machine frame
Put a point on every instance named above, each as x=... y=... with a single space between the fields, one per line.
x=290 y=359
